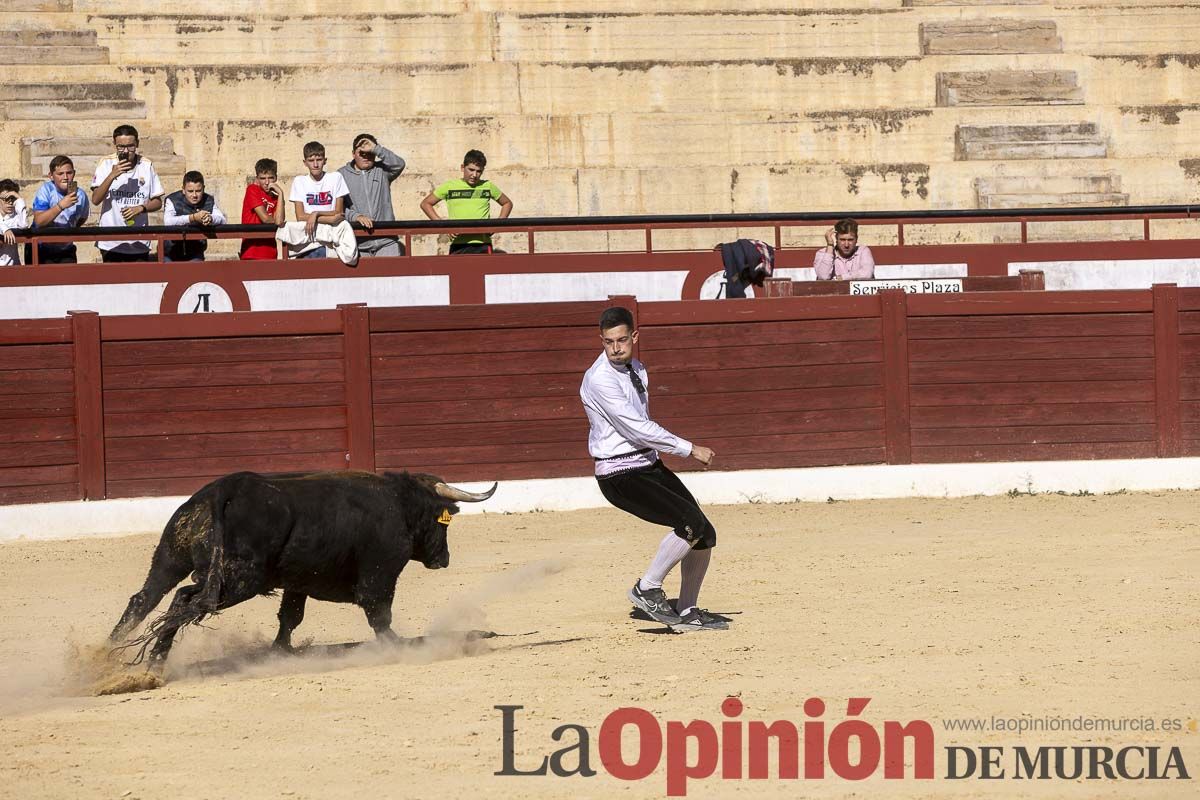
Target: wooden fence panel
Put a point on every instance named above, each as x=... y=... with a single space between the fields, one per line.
x=482 y=392
x=39 y=450
x=129 y=406
x=180 y=412
x=1189 y=375
x=1043 y=386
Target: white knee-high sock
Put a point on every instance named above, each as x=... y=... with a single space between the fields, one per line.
x=691 y=572
x=671 y=551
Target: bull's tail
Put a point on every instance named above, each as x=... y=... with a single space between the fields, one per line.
x=195 y=603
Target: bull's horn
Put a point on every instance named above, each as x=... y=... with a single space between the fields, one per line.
x=454 y=493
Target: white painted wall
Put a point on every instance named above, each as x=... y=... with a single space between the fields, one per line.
x=32 y=302
x=1143 y=274
x=565 y=286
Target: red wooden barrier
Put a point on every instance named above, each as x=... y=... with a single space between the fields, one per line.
x=123 y=406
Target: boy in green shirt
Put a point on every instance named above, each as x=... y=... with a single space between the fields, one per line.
x=469 y=197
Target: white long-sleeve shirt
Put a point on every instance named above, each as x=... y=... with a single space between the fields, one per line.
x=10 y=253
x=620 y=420
x=179 y=216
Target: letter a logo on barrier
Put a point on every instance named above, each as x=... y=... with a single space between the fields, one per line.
x=204 y=297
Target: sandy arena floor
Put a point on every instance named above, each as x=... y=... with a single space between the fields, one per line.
x=1028 y=606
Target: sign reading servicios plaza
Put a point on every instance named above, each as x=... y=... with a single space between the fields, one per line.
x=922 y=286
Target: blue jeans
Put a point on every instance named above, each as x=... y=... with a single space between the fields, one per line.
x=316 y=252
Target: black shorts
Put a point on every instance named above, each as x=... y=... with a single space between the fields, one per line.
x=656 y=495
x=472 y=248
x=113 y=257
x=52 y=254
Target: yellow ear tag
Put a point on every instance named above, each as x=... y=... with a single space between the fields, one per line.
x=444 y=519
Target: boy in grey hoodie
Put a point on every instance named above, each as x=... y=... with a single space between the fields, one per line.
x=369 y=177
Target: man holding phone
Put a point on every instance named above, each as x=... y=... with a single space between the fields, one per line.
x=127 y=189
x=59 y=203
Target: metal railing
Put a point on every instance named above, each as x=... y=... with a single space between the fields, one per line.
x=531 y=226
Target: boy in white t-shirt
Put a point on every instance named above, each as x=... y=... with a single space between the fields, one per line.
x=318 y=197
x=127 y=189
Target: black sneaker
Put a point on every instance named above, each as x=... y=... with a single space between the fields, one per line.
x=708 y=616
x=654 y=602
x=699 y=620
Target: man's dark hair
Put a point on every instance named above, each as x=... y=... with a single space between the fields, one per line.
x=193 y=176
x=58 y=161
x=314 y=149
x=125 y=130
x=615 y=317
x=846 y=225
x=475 y=157
x=266 y=165
x=358 y=140
x=9 y=185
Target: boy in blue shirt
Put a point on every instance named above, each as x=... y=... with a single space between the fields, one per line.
x=59 y=203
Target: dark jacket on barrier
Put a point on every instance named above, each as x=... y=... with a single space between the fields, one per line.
x=747 y=261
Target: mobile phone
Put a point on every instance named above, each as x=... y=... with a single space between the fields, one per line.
x=122 y=156
x=72 y=187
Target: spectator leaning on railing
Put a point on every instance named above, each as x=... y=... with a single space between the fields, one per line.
x=126 y=188
x=59 y=203
x=193 y=207
x=263 y=205
x=12 y=216
x=369 y=177
x=469 y=197
x=841 y=258
x=319 y=197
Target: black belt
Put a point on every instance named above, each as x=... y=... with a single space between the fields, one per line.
x=641 y=452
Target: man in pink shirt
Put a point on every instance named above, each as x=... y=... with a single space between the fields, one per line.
x=841 y=258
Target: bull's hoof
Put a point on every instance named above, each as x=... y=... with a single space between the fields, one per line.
x=126 y=681
x=284 y=648
x=389 y=637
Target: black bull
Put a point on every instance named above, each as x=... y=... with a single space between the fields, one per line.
x=343 y=537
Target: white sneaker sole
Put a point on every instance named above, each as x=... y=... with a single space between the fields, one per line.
x=682 y=628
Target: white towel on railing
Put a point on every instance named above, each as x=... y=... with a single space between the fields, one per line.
x=340 y=237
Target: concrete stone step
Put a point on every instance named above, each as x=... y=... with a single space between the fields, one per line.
x=420 y=7
x=965 y=37
x=152 y=146
x=1004 y=142
x=51 y=92
x=585 y=37
x=1049 y=199
x=1009 y=87
x=39 y=5
x=58 y=109
x=37 y=37
x=58 y=55
x=86 y=164
x=922 y=3
x=1048 y=183
x=1118 y=29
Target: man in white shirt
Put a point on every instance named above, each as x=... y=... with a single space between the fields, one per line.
x=127 y=189
x=624 y=442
